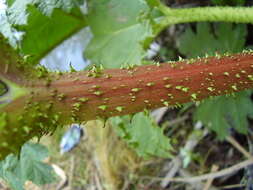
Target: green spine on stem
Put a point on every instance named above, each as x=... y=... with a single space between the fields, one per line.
x=38 y=107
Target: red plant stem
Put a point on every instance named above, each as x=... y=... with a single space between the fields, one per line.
x=82 y=96
x=124 y=91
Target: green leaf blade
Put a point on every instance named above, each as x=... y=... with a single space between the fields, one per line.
x=143 y=135
x=36 y=170
x=44 y=24
x=219 y=113
x=223 y=113
x=43 y=33
x=29 y=166
x=119 y=28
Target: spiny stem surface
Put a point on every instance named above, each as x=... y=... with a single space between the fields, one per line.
x=123 y=91
x=58 y=99
x=207 y=14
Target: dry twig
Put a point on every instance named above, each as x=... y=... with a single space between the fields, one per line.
x=213 y=175
x=232 y=141
x=210 y=180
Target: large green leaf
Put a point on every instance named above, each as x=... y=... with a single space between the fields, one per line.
x=28 y=167
x=219 y=113
x=119 y=28
x=45 y=24
x=143 y=135
x=43 y=33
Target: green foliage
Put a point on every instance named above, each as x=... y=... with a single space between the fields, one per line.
x=120 y=31
x=45 y=24
x=219 y=113
x=10 y=2
x=18 y=12
x=3 y=88
x=41 y=38
x=28 y=167
x=3 y=121
x=222 y=113
x=225 y=38
x=119 y=28
x=153 y=3
x=228 y=2
x=143 y=135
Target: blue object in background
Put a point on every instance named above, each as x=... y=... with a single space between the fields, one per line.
x=71 y=138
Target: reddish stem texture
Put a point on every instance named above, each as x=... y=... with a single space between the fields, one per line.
x=80 y=96
x=123 y=91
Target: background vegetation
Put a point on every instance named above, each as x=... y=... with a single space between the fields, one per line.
x=147 y=149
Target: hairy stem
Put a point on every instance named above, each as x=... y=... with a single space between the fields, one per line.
x=59 y=99
x=123 y=91
x=205 y=14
